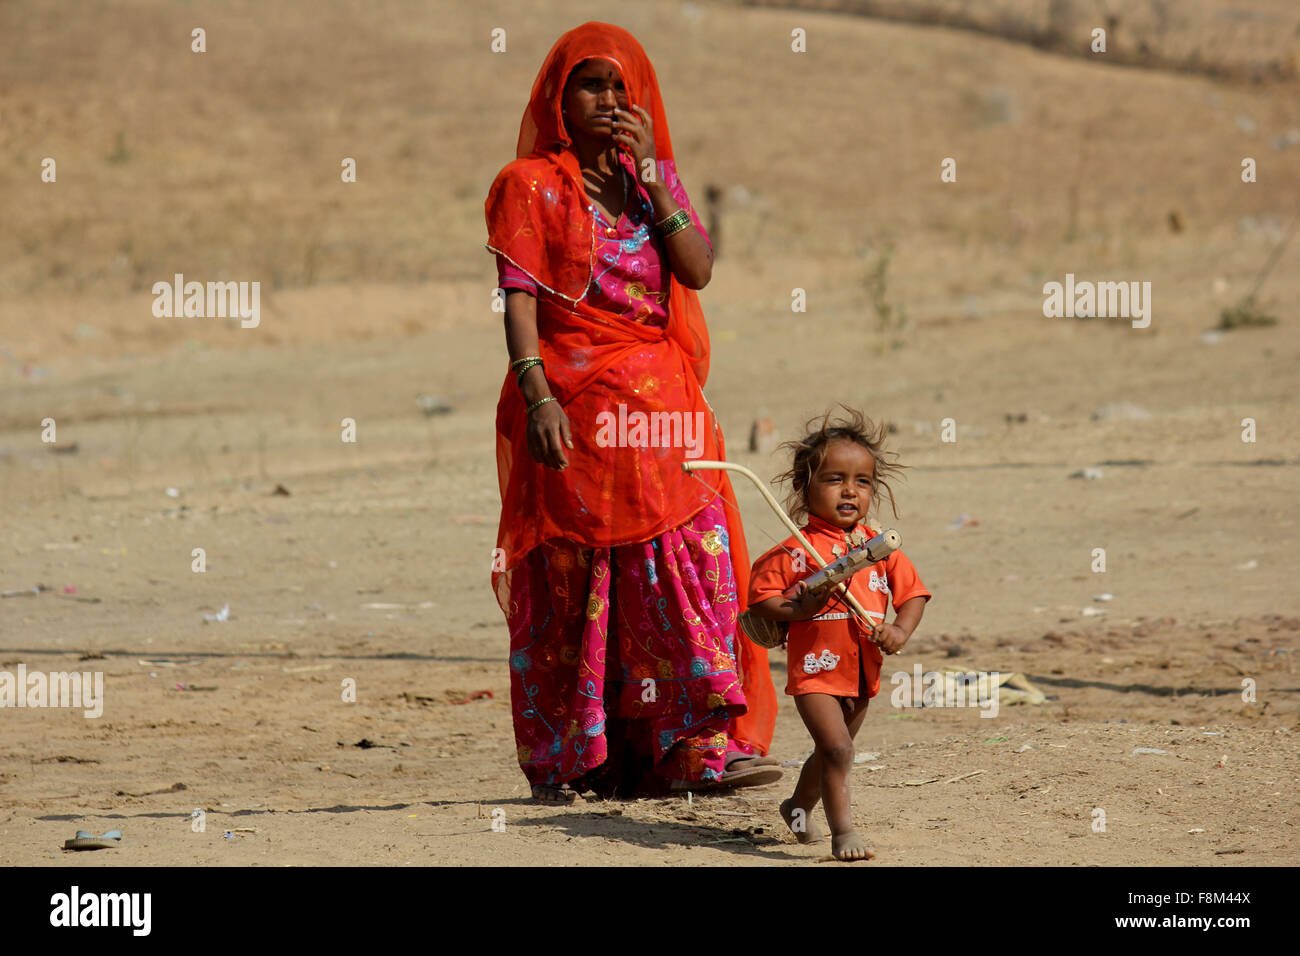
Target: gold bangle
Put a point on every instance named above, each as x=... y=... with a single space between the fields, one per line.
x=674 y=223
x=523 y=369
x=526 y=358
x=540 y=402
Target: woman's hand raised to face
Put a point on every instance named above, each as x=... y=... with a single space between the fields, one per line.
x=635 y=134
x=548 y=435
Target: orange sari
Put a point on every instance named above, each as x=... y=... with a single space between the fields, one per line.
x=538 y=217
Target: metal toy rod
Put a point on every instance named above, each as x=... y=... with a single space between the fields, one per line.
x=842 y=587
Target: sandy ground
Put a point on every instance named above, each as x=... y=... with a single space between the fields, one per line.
x=374 y=566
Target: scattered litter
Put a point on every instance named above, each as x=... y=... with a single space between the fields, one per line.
x=37 y=589
x=1211 y=733
x=964 y=776
x=477 y=695
x=222 y=615
x=432 y=405
x=188 y=687
x=1150 y=750
x=919 y=783
x=1092 y=611
x=85 y=841
x=149 y=793
x=963 y=520
x=172 y=493
x=1196 y=830
x=1024 y=747
x=865 y=757
x=307 y=668
x=994 y=740
x=32 y=591
x=1227 y=852
x=1011 y=688
x=1090 y=474
x=1223 y=761
x=1103 y=597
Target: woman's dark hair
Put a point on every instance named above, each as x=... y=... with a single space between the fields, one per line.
x=810 y=452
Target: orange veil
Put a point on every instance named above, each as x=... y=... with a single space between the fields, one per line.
x=538 y=218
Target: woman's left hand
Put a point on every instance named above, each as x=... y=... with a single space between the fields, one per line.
x=634 y=132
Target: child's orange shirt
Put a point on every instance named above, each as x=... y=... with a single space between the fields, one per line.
x=824 y=652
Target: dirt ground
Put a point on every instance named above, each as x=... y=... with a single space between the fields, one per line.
x=372 y=560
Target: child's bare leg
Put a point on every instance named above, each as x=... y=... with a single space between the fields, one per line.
x=832 y=727
x=798 y=810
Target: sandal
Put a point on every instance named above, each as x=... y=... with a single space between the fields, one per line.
x=748 y=777
x=742 y=761
x=553 y=795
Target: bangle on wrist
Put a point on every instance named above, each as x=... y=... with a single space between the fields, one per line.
x=673 y=224
x=540 y=402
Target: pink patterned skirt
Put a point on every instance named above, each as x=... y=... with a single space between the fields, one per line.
x=622 y=660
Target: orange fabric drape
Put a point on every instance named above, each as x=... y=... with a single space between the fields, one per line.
x=596 y=361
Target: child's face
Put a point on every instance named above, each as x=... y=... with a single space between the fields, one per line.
x=840 y=491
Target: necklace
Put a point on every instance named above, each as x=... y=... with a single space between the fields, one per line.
x=609 y=229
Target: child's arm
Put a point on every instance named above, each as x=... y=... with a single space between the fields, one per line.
x=790 y=605
x=891 y=637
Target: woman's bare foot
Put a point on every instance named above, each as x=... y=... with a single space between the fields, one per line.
x=849 y=846
x=550 y=793
x=808 y=831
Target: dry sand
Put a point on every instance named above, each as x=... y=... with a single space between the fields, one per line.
x=228 y=169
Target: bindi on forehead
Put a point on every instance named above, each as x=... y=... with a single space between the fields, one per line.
x=598 y=69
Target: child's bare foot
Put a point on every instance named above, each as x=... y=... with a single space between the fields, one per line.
x=550 y=793
x=849 y=846
x=808 y=831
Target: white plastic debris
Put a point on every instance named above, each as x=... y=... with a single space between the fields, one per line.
x=222 y=615
x=1150 y=750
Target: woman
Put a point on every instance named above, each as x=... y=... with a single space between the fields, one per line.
x=620 y=575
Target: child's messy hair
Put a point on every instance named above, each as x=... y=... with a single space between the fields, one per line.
x=810 y=452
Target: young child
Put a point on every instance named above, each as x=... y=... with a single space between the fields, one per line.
x=835 y=661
